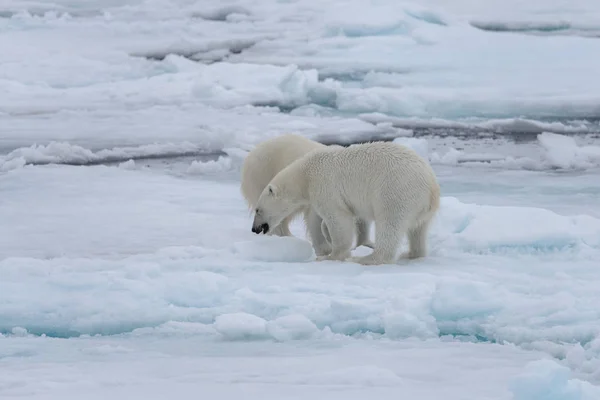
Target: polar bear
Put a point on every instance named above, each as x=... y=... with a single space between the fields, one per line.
x=379 y=181
x=264 y=162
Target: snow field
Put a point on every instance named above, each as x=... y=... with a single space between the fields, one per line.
x=174 y=361
x=141 y=250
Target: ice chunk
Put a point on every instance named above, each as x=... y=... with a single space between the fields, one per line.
x=451 y=157
x=547 y=380
x=404 y=324
x=222 y=13
x=275 y=249
x=241 y=326
x=292 y=327
x=563 y=152
x=19 y=331
x=222 y=164
x=129 y=164
x=492 y=228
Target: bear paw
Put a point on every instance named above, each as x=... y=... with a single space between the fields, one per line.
x=368 y=260
x=322 y=251
x=333 y=257
x=411 y=255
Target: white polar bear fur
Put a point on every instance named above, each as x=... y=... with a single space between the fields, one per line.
x=383 y=182
x=265 y=161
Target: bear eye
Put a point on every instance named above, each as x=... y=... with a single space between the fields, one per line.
x=270 y=190
x=257 y=211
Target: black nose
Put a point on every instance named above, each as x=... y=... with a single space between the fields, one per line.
x=264 y=228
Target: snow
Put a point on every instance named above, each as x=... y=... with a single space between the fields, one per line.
x=563 y=152
x=275 y=249
x=547 y=380
x=139 y=251
x=554 y=151
x=244 y=326
x=176 y=361
x=127 y=263
x=66 y=64
x=211 y=166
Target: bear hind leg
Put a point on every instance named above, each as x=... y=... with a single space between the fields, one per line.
x=388 y=235
x=362 y=234
x=417 y=241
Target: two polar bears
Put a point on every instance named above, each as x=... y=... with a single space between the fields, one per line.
x=382 y=182
x=264 y=162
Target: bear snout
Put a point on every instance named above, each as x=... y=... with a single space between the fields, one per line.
x=263 y=228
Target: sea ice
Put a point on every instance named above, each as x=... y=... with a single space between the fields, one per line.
x=546 y=380
x=127 y=265
x=105 y=262
x=171 y=71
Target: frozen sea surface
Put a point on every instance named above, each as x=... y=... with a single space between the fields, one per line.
x=142 y=280
x=103 y=74
x=127 y=265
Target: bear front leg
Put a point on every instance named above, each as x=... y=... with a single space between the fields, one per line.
x=341 y=229
x=325 y=232
x=417 y=241
x=283 y=229
x=362 y=233
x=313 y=226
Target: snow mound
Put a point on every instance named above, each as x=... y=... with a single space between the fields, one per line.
x=275 y=249
x=241 y=326
x=563 y=152
x=547 y=380
x=292 y=327
x=451 y=157
x=222 y=164
x=229 y=85
x=127 y=165
x=245 y=326
x=223 y=13
x=472 y=227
